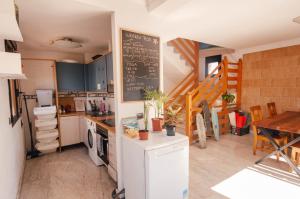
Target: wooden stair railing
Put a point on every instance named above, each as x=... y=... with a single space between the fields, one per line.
x=214 y=85
x=190 y=92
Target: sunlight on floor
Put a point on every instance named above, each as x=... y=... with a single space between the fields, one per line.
x=260 y=181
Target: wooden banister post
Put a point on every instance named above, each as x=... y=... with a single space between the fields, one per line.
x=188 y=116
x=239 y=84
x=225 y=65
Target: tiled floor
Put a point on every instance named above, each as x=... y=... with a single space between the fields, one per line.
x=222 y=170
x=67 y=175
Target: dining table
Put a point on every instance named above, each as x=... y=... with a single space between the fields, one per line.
x=286 y=122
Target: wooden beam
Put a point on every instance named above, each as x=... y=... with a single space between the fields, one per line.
x=57 y=103
x=38 y=59
x=188 y=115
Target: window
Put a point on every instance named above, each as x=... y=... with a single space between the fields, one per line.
x=212 y=66
x=211 y=63
x=14 y=101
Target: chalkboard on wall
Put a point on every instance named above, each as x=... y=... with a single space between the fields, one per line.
x=140 y=61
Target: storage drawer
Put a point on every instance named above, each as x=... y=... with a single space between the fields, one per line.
x=112 y=173
x=112 y=158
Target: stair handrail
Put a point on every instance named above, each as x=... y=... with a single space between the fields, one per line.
x=191 y=97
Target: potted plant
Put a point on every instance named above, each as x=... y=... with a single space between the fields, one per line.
x=143 y=133
x=157 y=99
x=228 y=97
x=171 y=119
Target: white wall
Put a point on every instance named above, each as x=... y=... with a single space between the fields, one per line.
x=175 y=68
x=12 y=149
x=128 y=109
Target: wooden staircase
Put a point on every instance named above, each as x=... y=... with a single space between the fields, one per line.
x=190 y=92
x=189 y=51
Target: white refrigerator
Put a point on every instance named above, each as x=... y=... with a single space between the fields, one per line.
x=157 y=168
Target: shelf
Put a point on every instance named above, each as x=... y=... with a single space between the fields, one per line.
x=10 y=66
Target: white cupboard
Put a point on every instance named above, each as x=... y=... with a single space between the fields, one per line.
x=112 y=156
x=69 y=130
x=83 y=130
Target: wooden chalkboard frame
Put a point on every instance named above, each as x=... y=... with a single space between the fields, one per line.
x=122 y=67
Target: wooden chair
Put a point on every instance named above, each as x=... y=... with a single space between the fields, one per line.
x=272 y=109
x=295 y=154
x=256 y=115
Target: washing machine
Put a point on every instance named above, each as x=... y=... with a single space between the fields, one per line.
x=92 y=143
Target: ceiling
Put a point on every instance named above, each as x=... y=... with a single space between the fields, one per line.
x=44 y=20
x=232 y=23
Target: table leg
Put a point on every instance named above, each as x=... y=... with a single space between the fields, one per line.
x=280 y=150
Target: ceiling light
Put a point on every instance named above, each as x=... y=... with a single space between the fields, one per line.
x=65 y=43
x=297 y=20
x=69 y=61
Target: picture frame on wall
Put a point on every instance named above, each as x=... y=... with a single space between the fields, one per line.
x=15 y=101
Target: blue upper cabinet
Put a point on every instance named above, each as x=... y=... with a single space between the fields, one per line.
x=70 y=76
x=90 y=77
x=101 y=81
x=96 y=75
x=109 y=69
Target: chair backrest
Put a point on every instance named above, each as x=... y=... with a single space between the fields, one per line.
x=256 y=113
x=272 y=109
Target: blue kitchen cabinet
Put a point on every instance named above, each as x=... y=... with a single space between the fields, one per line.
x=101 y=81
x=90 y=76
x=96 y=75
x=109 y=69
x=70 y=76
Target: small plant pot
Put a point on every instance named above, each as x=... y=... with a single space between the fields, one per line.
x=143 y=134
x=157 y=124
x=170 y=130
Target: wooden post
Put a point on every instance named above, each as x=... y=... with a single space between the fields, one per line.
x=57 y=104
x=239 y=84
x=225 y=72
x=196 y=59
x=188 y=117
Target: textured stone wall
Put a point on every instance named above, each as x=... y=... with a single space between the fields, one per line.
x=272 y=75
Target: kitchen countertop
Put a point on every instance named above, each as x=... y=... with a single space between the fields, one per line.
x=95 y=119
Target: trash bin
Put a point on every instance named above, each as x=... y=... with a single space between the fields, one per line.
x=241 y=125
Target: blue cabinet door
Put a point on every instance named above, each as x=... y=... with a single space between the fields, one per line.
x=101 y=82
x=70 y=76
x=91 y=76
x=109 y=69
x=96 y=75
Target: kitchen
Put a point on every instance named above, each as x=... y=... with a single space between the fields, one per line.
x=69 y=100
x=71 y=59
